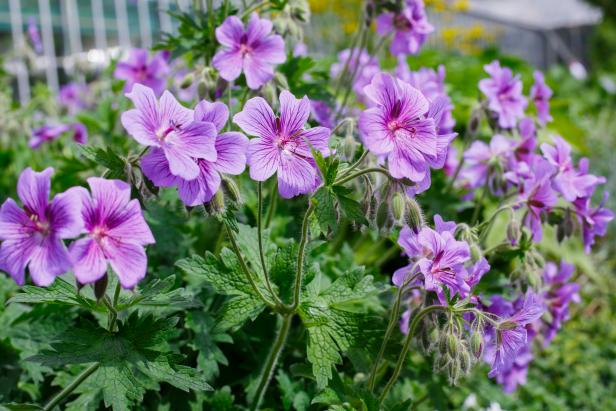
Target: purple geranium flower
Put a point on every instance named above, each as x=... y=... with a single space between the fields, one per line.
x=230 y=159
x=594 y=221
x=255 y=51
x=537 y=194
x=34 y=35
x=137 y=69
x=73 y=96
x=504 y=93
x=170 y=127
x=32 y=236
x=410 y=27
x=569 y=182
x=485 y=164
x=366 y=67
x=47 y=133
x=540 y=93
x=115 y=233
x=399 y=128
x=283 y=146
x=511 y=334
x=560 y=293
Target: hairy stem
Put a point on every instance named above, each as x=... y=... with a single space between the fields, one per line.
x=245 y=269
x=272 y=205
x=268 y=284
x=272 y=359
x=300 y=259
x=355 y=164
x=62 y=395
x=405 y=348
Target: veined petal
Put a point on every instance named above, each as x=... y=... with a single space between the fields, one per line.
x=181 y=164
x=407 y=163
x=270 y=50
x=172 y=111
x=65 y=212
x=374 y=133
x=131 y=226
x=15 y=255
x=263 y=159
x=139 y=127
x=295 y=175
x=216 y=113
x=230 y=32
x=196 y=140
x=257 y=118
x=49 y=260
x=257 y=29
x=156 y=167
x=257 y=71
x=231 y=150
x=14 y=222
x=128 y=261
x=109 y=197
x=89 y=263
x=229 y=63
x=293 y=113
x=33 y=189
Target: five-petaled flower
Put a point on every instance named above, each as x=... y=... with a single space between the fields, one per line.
x=116 y=233
x=137 y=68
x=255 y=51
x=170 y=127
x=230 y=159
x=504 y=93
x=283 y=145
x=33 y=235
x=410 y=27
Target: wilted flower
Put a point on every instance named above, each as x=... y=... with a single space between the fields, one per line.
x=253 y=50
x=504 y=93
x=170 y=127
x=138 y=69
x=116 y=233
x=33 y=235
x=400 y=129
x=283 y=145
x=410 y=27
x=230 y=159
x=540 y=93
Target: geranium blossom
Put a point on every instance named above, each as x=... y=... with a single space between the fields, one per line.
x=230 y=159
x=33 y=236
x=538 y=196
x=410 y=27
x=504 y=93
x=50 y=132
x=363 y=64
x=594 y=220
x=540 y=93
x=485 y=164
x=74 y=97
x=116 y=233
x=399 y=128
x=283 y=145
x=558 y=296
x=253 y=51
x=137 y=68
x=170 y=127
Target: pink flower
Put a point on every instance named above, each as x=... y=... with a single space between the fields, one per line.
x=115 y=233
x=170 y=127
x=283 y=145
x=33 y=235
x=230 y=159
x=504 y=93
x=253 y=50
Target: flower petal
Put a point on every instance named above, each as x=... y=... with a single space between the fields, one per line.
x=181 y=164
x=216 y=113
x=128 y=261
x=263 y=159
x=33 y=189
x=229 y=63
x=49 y=260
x=231 y=150
x=295 y=176
x=230 y=32
x=131 y=226
x=294 y=113
x=156 y=167
x=257 y=118
x=14 y=256
x=89 y=263
x=65 y=212
x=196 y=140
x=374 y=133
x=14 y=222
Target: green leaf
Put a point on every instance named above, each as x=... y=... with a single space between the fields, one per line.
x=332 y=327
x=60 y=292
x=350 y=208
x=237 y=310
x=114 y=164
x=12 y=406
x=205 y=342
x=325 y=210
x=161 y=294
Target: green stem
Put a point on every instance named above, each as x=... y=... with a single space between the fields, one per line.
x=352 y=48
x=272 y=359
x=356 y=69
x=361 y=173
x=272 y=205
x=254 y=8
x=300 y=259
x=355 y=164
x=62 y=395
x=245 y=269
x=405 y=348
x=268 y=284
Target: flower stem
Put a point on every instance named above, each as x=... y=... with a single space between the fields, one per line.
x=361 y=173
x=272 y=205
x=393 y=319
x=268 y=284
x=62 y=395
x=240 y=258
x=272 y=359
x=405 y=348
x=300 y=259
x=355 y=164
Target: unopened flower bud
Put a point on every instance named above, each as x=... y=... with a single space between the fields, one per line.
x=217 y=203
x=476 y=253
x=414 y=215
x=187 y=81
x=477 y=344
x=465 y=361
x=513 y=231
x=474 y=123
x=452 y=345
x=280 y=80
x=398 y=206
x=231 y=187
x=382 y=215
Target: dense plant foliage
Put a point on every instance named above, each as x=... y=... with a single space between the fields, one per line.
x=227 y=223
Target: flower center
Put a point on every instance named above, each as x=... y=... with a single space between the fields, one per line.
x=98 y=233
x=401 y=23
x=163 y=132
x=244 y=47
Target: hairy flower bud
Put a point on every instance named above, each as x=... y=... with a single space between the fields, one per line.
x=232 y=189
x=513 y=231
x=414 y=215
x=100 y=287
x=452 y=345
x=187 y=81
x=477 y=344
x=397 y=206
x=382 y=215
